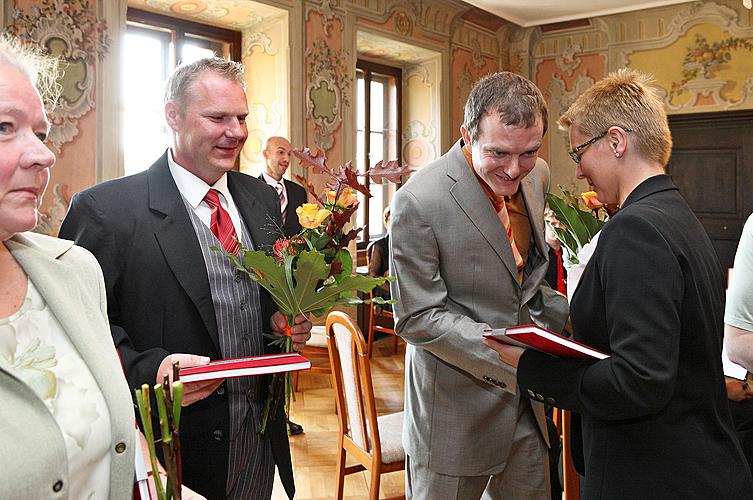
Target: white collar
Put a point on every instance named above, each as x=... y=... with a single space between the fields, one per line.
x=272 y=181
x=191 y=187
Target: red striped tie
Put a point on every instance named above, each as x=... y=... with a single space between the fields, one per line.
x=220 y=223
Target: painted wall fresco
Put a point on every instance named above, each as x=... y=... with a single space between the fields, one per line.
x=266 y=58
x=700 y=53
x=468 y=66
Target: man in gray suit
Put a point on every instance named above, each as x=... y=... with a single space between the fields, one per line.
x=469 y=253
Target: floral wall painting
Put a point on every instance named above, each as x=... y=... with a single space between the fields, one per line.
x=703 y=58
x=328 y=90
x=68 y=29
x=706 y=68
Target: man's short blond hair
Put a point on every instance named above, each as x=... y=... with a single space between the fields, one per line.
x=625 y=99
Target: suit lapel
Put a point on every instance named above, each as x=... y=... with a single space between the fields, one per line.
x=253 y=213
x=471 y=198
x=180 y=246
x=80 y=317
x=536 y=262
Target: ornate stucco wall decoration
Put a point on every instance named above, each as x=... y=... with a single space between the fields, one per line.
x=257 y=39
x=67 y=29
x=328 y=13
x=50 y=222
x=702 y=58
x=419 y=142
x=328 y=90
x=568 y=61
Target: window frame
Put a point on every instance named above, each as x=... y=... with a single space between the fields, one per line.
x=368 y=68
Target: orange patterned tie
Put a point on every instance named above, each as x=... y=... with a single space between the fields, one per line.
x=220 y=224
x=504 y=217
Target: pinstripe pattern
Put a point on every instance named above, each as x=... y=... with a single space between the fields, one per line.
x=238 y=310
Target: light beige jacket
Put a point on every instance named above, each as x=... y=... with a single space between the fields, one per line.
x=33 y=463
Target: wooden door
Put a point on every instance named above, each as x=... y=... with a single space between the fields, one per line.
x=712 y=165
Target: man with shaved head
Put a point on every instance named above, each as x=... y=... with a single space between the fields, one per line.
x=277 y=159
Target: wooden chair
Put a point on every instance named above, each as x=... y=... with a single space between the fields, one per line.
x=316 y=348
x=570 y=477
x=375 y=442
x=380 y=320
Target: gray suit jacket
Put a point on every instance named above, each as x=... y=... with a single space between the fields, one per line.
x=456 y=277
x=33 y=449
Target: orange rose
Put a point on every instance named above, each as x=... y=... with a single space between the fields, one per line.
x=590 y=200
x=311 y=216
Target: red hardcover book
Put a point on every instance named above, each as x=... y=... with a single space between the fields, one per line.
x=545 y=341
x=241 y=367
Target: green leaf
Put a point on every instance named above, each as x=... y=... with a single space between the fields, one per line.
x=346 y=261
x=582 y=225
x=269 y=274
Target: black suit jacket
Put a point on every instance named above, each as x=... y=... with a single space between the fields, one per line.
x=159 y=301
x=654 y=416
x=297 y=196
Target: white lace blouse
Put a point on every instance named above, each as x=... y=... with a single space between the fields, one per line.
x=35 y=346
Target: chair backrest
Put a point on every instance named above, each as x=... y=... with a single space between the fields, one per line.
x=351 y=376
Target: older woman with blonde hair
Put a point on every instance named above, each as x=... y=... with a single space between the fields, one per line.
x=67 y=427
x=651 y=420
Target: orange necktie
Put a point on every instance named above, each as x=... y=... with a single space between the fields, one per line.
x=501 y=208
x=504 y=217
x=220 y=224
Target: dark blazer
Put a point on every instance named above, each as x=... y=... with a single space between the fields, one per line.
x=654 y=416
x=159 y=301
x=297 y=196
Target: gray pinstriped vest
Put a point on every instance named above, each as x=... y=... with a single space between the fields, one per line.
x=237 y=310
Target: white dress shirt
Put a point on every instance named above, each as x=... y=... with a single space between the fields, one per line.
x=194 y=190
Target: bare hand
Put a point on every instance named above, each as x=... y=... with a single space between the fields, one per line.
x=738 y=390
x=300 y=332
x=508 y=354
x=192 y=391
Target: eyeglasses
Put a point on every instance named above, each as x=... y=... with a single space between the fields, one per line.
x=577 y=149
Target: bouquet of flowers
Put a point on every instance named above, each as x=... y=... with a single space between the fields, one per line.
x=312 y=271
x=581 y=218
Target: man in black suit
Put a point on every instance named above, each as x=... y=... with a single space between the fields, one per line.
x=277 y=158
x=169 y=295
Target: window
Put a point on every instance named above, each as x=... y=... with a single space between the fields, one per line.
x=377 y=138
x=154 y=45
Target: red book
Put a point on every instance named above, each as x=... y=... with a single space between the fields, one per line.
x=545 y=341
x=241 y=367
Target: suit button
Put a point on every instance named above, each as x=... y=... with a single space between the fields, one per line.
x=238 y=277
x=488 y=379
x=120 y=447
x=57 y=486
x=217 y=434
x=531 y=394
x=243 y=306
x=539 y=397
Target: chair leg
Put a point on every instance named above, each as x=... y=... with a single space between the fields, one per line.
x=370 y=346
x=376 y=476
x=394 y=344
x=340 y=473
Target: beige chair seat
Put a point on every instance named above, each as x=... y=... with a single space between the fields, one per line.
x=375 y=442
